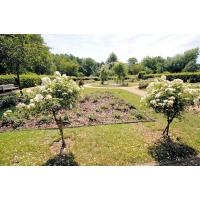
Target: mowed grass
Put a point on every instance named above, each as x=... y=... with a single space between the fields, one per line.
x=119 y=144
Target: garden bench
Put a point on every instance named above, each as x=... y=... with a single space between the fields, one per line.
x=7 y=87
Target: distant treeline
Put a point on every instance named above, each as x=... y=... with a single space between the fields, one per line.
x=28 y=53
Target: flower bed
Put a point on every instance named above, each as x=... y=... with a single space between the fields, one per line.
x=94 y=109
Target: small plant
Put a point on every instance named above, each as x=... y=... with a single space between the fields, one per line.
x=137 y=114
x=44 y=120
x=7 y=118
x=92 y=118
x=8 y=101
x=143 y=85
x=104 y=73
x=116 y=115
x=79 y=114
x=65 y=119
x=18 y=123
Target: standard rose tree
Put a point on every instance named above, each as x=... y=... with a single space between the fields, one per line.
x=171 y=98
x=50 y=98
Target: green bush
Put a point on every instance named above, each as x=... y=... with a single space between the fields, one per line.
x=141 y=74
x=8 y=101
x=31 y=80
x=26 y=80
x=143 y=84
x=192 y=77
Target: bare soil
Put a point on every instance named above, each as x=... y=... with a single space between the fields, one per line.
x=94 y=109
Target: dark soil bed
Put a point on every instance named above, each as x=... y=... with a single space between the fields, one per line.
x=94 y=109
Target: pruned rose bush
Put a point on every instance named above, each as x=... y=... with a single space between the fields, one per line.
x=48 y=99
x=171 y=98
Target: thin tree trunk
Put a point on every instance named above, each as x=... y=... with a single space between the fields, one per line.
x=166 y=130
x=18 y=80
x=60 y=127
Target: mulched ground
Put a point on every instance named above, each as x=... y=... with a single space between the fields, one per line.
x=94 y=109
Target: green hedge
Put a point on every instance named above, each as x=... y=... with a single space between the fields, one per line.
x=8 y=101
x=31 y=80
x=25 y=80
x=191 y=77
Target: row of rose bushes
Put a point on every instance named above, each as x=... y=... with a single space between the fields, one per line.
x=192 y=77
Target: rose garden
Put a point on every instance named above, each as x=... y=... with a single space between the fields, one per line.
x=109 y=119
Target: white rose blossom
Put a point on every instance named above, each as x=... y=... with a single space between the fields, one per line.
x=38 y=98
x=57 y=73
x=46 y=81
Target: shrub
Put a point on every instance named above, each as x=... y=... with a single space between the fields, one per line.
x=171 y=98
x=191 y=77
x=44 y=120
x=92 y=118
x=17 y=123
x=143 y=84
x=117 y=115
x=141 y=74
x=29 y=80
x=104 y=73
x=49 y=99
x=8 y=101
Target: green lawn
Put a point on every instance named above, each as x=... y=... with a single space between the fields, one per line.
x=123 y=144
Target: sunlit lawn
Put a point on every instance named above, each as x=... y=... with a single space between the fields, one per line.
x=125 y=144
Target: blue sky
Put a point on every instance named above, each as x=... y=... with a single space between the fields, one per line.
x=125 y=46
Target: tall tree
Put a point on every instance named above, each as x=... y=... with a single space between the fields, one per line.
x=155 y=64
x=112 y=58
x=20 y=51
x=132 y=61
x=88 y=66
x=179 y=62
x=120 y=69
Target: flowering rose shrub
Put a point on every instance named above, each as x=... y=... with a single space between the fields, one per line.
x=49 y=98
x=171 y=98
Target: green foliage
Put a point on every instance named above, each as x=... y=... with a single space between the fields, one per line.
x=171 y=98
x=143 y=84
x=180 y=61
x=153 y=63
x=132 y=61
x=104 y=73
x=17 y=123
x=46 y=119
x=8 y=101
x=89 y=66
x=22 y=52
x=191 y=67
x=111 y=58
x=135 y=69
x=120 y=70
x=65 y=65
x=27 y=80
x=192 y=77
x=141 y=74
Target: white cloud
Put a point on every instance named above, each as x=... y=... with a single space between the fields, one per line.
x=125 y=46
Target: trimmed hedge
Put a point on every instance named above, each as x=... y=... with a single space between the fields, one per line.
x=25 y=80
x=8 y=101
x=31 y=80
x=191 y=77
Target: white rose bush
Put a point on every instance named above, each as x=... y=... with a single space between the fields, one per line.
x=171 y=98
x=49 y=99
